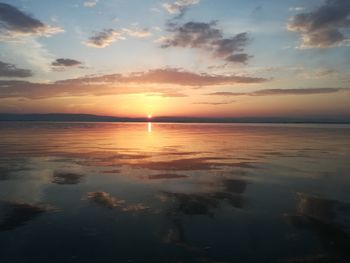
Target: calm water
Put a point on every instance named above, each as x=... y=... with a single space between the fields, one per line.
x=106 y=192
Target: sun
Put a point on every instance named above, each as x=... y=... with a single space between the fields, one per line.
x=149 y=116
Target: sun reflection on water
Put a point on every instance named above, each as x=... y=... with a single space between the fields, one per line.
x=149 y=127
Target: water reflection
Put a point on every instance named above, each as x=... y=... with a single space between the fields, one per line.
x=13 y=215
x=105 y=199
x=66 y=178
x=188 y=193
x=149 y=127
x=329 y=220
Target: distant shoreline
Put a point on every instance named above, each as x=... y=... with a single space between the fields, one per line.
x=58 y=117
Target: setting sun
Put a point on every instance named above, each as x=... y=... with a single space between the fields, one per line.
x=149 y=116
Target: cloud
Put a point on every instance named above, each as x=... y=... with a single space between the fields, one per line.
x=61 y=64
x=186 y=78
x=143 y=33
x=168 y=94
x=10 y=70
x=133 y=83
x=319 y=73
x=179 y=7
x=169 y=76
x=90 y=3
x=296 y=8
x=14 y=23
x=32 y=52
x=104 y=38
x=215 y=103
x=208 y=37
x=31 y=90
x=266 y=92
x=322 y=27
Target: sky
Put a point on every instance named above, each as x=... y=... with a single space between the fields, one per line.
x=200 y=58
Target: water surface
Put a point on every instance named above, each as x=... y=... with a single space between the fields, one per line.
x=138 y=192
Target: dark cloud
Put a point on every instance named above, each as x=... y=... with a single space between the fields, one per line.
x=10 y=70
x=322 y=27
x=14 y=22
x=104 y=38
x=242 y=58
x=266 y=92
x=296 y=91
x=207 y=36
x=66 y=62
x=66 y=178
x=121 y=84
x=214 y=103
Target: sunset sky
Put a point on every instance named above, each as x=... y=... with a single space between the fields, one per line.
x=214 y=58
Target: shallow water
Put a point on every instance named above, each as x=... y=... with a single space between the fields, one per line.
x=138 y=192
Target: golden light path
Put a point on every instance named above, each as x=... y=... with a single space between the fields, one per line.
x=149 y=127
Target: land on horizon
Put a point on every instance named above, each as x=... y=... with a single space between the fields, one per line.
x=64 y=117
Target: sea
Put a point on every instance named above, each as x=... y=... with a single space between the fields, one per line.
x=172 y=192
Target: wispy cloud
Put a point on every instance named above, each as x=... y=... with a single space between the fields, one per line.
x=319 y=73
x=171 y=76
x=32 y=52
x=90 y=3
x=10 y=70
x=322 y=27
x=179 y=7
x=215 y=103
x=206 y=36
x=296 y=8
x=133 y=83
x=15 y=23
x=140 y=33
x=267 y=92
x=104 y=38
x=108 y=36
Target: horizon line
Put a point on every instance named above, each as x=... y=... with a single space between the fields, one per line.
x=85 y=117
